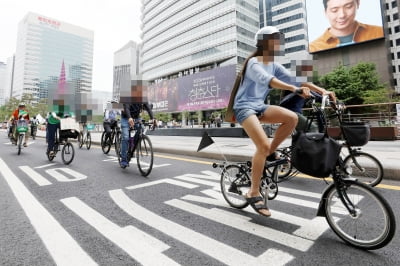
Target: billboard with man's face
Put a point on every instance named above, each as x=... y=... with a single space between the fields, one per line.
x=338 y=23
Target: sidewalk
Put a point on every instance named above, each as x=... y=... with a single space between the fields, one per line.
x=242 y=149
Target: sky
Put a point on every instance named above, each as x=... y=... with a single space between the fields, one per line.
x=369 y=12
x=114 y=24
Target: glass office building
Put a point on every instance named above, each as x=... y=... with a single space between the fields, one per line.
x=289 y=16
x=183 y=37
x=47 y=49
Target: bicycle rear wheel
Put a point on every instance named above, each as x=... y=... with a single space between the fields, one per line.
x=234 y=185
x=20 y=140
x=67 y=153
x=88 y=141
x=81 y=141
x=365 y=167
x=144 y=155
x=371 y=226
x=105 y=143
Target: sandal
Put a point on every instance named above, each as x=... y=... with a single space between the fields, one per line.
x=257 y=207
x=272 y=157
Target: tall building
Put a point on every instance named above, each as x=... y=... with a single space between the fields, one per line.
x=289 y=16
x=126 y=67
x=3 y=75
x=393 y=29
x=192 y=50
x=46 y=45
x=189 y=36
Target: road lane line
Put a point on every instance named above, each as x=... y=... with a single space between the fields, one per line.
x=244 y=224
x=211 y=247
x=35 y=176
x=44 y=166
x=61 y=246
x=138 y=244
x=167 y=181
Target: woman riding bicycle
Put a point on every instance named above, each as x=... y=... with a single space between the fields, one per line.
x=259 y=75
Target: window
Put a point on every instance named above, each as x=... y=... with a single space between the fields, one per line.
x=395 y=16
x=394 y=4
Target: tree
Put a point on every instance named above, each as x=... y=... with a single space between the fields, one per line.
x=356 y=85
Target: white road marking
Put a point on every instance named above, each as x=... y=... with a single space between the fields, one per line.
x=167 y=181
x=244 y=224
x=219 y=251
x=56 y=173
x=35 y=176
x=138 y=244
x=61 y=246
x=44 y=166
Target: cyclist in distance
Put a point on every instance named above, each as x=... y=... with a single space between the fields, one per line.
x=110 y=119
x=261 y=73
x=17 y=113
x=130 y=114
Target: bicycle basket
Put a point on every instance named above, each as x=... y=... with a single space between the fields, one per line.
x=22 y=126
x=356 y=133
x=69 y=133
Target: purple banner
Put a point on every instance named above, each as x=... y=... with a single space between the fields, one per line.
x=201 y=91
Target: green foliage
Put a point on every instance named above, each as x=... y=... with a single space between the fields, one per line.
x=356 y=85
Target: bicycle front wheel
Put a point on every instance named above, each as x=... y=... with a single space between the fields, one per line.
x=144 y=155
x=105 y=143
x=88 y=141
x=234 y=185
x=118 y=139
x=67 y=153
x=365 y=167
x=372 y=223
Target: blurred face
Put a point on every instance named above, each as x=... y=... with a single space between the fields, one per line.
x=272 y=47
x=341 y=15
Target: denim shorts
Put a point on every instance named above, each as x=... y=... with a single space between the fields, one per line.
x=242 y=114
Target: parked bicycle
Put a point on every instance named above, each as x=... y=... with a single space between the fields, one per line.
x=85 y=137
x=361 y=165
x=141 y=148
x=355 y=211
x=107 y=140
x=67 y=150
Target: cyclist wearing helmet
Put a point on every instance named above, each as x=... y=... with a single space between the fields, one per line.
x=260 y=74
x=20 y=112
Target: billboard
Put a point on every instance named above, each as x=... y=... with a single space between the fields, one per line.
x=201 y=91
x=338 y=23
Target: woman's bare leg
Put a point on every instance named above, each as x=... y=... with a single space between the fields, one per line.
x=254 y=130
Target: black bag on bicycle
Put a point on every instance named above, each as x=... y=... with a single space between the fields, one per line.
x=314 y=154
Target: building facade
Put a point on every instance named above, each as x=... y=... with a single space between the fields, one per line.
x=3 y=80
x=393 y=29
x=44 y=47
x=126 y=67
x=188 y=36
x=289 y=16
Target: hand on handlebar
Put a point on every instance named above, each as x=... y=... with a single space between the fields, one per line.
x=303 y=92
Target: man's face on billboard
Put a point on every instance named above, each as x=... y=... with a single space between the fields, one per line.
x=341 y=15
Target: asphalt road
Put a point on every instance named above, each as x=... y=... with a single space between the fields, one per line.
x=94 y=213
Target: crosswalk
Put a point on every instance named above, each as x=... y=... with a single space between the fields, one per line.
x=202 y=200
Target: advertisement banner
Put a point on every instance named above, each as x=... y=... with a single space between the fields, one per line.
x=200 y=91
x=332 y=24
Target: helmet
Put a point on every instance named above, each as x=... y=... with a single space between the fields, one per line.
x=21 y=104
x=263 y=33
